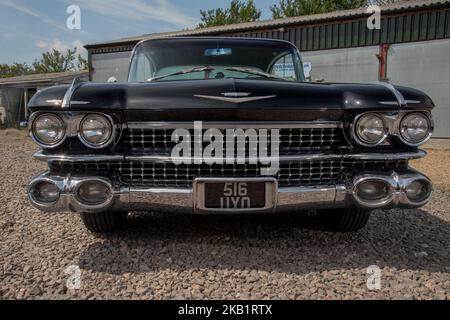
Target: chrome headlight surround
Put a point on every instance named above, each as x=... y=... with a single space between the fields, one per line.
x=104 y=141
x=38 y=140
x=81 y=203
x=32 y=188
x=357 y=136
x=402 y=129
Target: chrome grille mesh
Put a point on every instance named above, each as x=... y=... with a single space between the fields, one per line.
x=292 y=140
x=291 y=173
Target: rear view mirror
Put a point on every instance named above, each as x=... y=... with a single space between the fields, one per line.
x=218 y=52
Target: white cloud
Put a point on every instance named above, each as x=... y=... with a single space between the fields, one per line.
x=161 y=10
x=61 y=46
x=31 y=12
x=38 y=15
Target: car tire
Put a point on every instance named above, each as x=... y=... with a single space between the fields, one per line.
x=345 y=220
x=104 y=222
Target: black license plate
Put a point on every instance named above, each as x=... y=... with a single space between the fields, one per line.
x=235 y=195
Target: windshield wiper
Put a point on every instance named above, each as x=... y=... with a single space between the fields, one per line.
x=255 y=72
x=190 y=70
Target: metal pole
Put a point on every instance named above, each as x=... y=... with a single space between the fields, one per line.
x=25 y=103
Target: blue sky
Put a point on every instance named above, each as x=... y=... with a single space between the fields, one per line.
x=30 y=27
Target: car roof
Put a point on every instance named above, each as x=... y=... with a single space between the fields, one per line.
x=212 y=39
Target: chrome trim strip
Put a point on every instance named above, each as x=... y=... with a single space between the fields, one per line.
x=76 y=83
x=162 y=190
x=398 y=95
x=394 y=103
x=237 y=124
x=386 y=156
x=168 y=158
x=42 y=156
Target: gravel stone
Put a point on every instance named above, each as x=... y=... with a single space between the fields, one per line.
x=172 y=256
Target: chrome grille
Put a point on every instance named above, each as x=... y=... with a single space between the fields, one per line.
x=142 y=174
x=292 y=173
x=292 y=140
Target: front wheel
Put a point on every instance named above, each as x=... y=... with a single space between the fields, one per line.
x=103 y=222
x=345 y=220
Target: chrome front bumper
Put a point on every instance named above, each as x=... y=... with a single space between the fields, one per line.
x=184 y=200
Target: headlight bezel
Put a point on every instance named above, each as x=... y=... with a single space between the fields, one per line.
x=361 y=140
x=104 y=144
x=393 y=123
x=41 y=143
x=401 y=134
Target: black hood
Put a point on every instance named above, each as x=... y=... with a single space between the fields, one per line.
x=230 y=98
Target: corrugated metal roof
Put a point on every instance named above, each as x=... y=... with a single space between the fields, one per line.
x=264 y=24
x=44 y=77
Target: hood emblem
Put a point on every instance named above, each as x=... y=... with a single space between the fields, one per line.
x=235 y=97
x=236 y=94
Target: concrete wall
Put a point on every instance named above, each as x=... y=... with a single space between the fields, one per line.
x=344 y=65
x=425 y=66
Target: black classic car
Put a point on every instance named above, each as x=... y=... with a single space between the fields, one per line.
x=224 y=126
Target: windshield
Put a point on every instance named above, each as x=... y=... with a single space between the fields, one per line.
x=202 y=59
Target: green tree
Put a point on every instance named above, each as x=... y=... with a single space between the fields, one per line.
x=56 y=61
x=238 y=12
x=292 y=8
x=14 y=70
x=53 y=61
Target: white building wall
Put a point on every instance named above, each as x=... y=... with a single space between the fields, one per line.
x=344 y=65
x=425 y=66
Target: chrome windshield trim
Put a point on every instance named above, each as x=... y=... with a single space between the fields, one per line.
x=42 y=156
x=236 y=124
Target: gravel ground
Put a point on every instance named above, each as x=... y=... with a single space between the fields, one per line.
x=174 y=256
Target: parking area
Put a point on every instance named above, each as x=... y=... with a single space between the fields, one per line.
x=161 y=256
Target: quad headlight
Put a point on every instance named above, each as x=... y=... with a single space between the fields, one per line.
x=415 y=128
x=95 y=131
x=371 y=130
x=48 y=130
